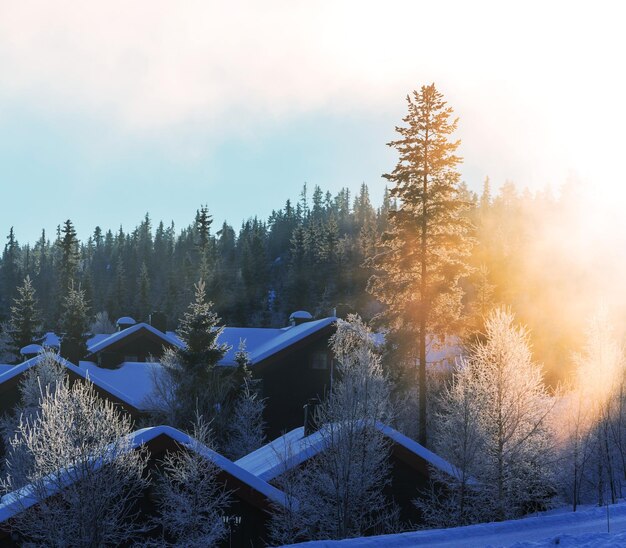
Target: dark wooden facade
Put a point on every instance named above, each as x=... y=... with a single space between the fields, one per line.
x=139 y=346
x=248 y=515
x=291 y=377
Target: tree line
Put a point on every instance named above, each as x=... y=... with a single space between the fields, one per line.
x=307 y=255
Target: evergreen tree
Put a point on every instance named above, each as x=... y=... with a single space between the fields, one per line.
x=424 y=252
x=74 y=325
x=69 y=257
x=9 y=271
x=191 y=385
x=25 y=317
x=143 y=294
x=117 y=296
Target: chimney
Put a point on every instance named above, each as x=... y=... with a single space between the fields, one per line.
x=158 y=320
x=310 y=419
x=298 y=317
x=124 y=323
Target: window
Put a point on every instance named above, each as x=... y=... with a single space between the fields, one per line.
x=319 y=360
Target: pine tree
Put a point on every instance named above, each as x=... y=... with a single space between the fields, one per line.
x=191 y=386
x=25 y=317
x=9 y=270
x=424 y=253
x=69 y=257
x=143 y=293
x=74 y=325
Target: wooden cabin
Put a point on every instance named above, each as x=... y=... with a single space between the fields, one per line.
x=139 y=342
x=293 y=365
x=410 y=463
x=247 y=516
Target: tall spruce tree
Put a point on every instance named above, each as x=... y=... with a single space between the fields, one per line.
x=74 y=324
x=195 y=386
x=25 y=317
x=9 y=270
x=69 y=257
x=424 y=251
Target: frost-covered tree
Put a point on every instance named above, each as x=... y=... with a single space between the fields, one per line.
x=42 y=379
x=495 y=429
x=189 y=383
x=246 y=425
x=39 y=381
x=340 y=491
x=458 y=437
x=102 y=324
x=80 y=467
x=74 y=324
x=25 y=317
x=191 y=500
x=592 y=421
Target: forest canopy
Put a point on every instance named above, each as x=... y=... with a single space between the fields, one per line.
x=311 y=254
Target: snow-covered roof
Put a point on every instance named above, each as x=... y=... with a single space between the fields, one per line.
x=31 y=349
x=132 y=382
x=438 y=355
x=51 y=340
x=232 y=468
x=292 y=449
x=13 y=503
x=104 y=342
x=117 y=389
x=284 y=453
x=300 y=315
x=125 y=320
x=263 y=342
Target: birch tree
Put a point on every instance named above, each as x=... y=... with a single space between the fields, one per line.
x=246 y=426
x=496 y=428
x=191 y=500
x=340 y=491
x=594 y=448
x=81 y=469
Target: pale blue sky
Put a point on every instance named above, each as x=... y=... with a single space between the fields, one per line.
x=109 y=111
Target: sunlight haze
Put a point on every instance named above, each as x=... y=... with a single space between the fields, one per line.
x=146 y=98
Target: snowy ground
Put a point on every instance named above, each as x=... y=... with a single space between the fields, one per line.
x=585 y=528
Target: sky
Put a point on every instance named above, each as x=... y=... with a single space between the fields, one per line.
x=109 y=110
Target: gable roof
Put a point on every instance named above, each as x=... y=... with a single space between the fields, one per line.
x=292 y=449
x=17 y=501
x=103 y=343
x=115 y=393
x=263 y=343
x=131 y=381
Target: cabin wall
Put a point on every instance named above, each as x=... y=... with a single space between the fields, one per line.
x=140 y=349
x=288 y=383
